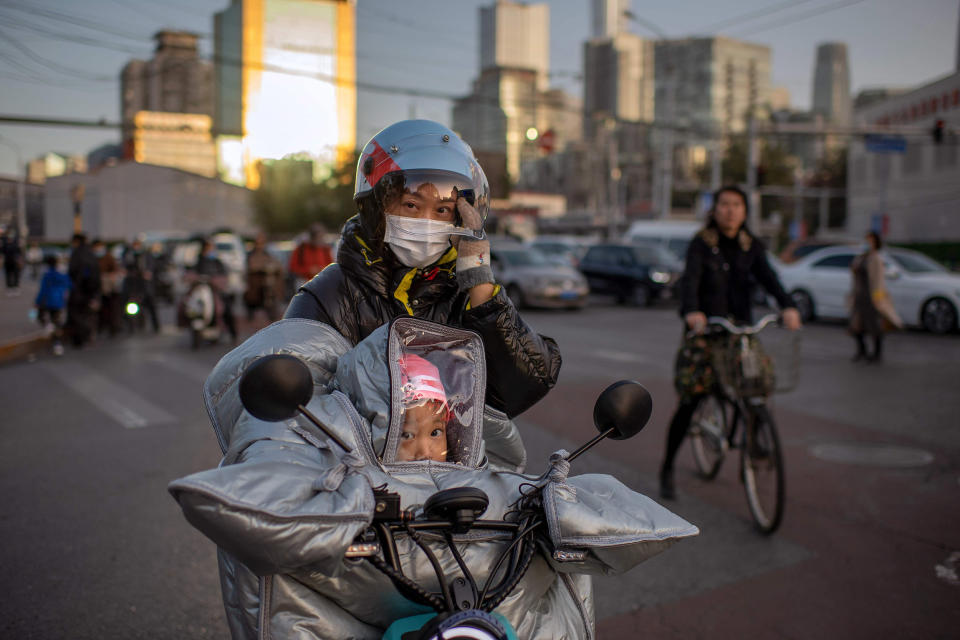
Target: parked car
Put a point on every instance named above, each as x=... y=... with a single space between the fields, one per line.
x=568 y=250
x=531 y=279
x=633 y=272
x=923 y=292
x=674 y=236
x=800 y=248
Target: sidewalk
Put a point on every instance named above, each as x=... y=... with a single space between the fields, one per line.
x=20 y=337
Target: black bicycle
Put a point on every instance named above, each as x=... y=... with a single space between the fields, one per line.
x=735 y=415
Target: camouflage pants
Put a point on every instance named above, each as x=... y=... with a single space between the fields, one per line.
x=703 y=362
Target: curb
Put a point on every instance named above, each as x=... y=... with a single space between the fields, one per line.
x=23 y=347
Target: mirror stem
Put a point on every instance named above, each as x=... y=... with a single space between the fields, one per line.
x=586 y=447
x=312 y=418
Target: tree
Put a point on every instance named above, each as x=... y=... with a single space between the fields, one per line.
x=289 y=200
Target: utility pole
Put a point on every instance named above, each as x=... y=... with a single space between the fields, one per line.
x=666 y=150
x=753 y=160
x=76 y=194
x=22 y=229
x=613 y=178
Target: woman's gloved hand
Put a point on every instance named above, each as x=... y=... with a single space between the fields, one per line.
x=473 y=253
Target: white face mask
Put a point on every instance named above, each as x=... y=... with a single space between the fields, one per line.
x=417 y=242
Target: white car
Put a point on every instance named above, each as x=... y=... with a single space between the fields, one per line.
x=924 y=293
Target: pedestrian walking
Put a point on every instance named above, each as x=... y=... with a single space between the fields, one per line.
x=51 y=303
x=84 y=299
x=12 y=261
x=34 y=256
x=872 y=311
x=722 y=260
x=311 y=256
x=111 y=279
x=264 y=280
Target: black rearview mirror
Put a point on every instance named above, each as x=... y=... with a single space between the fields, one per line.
x=623 y=409
x=274 y=387
x=278 y=387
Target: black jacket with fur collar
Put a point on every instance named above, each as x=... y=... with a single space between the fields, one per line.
x=720 y=287
x=366 y=288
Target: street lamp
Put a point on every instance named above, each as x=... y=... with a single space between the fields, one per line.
x=21 y=192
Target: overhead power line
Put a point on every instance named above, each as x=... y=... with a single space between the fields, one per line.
x=817 y=11
x=50 y=64
x=750 y=15
x=71 y=19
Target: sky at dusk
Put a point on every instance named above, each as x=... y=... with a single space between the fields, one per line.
x=62 y=68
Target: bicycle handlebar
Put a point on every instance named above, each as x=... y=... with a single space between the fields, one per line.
x=718 y=321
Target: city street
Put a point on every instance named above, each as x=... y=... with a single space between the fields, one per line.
x=94 y=546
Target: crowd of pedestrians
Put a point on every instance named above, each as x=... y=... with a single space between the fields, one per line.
x=96 y=290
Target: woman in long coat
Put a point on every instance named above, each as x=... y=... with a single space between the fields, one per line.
x=872 y=310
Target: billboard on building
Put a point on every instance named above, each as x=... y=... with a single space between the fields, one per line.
x=297 y=80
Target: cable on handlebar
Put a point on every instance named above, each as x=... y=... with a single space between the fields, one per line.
x=463 y=566
x=501 y=593
x=520 y=537
x=444 y=587
x=406 y=586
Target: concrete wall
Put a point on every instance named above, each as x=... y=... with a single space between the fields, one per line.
x=130 y=198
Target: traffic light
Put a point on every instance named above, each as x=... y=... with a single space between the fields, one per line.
x=937 y=132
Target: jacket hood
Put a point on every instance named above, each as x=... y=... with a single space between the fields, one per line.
x=370 y=376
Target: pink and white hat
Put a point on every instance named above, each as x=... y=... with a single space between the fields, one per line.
x=420 y=381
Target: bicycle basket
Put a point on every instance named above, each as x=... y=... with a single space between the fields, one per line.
x=783 y=348
x=743 y=367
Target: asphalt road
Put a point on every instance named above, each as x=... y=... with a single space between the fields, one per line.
x=95 y=547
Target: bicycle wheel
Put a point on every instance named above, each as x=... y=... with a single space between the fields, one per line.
x=762 y=468
x=708 y=435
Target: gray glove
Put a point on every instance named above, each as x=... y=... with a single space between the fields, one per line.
x=473 y=253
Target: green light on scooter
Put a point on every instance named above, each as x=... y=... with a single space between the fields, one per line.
x=133 y=308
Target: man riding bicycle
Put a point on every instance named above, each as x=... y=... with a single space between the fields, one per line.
x=722 y=260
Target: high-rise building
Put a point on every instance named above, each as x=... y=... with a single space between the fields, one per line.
x=831 y=83
x=609 y=18
x=717 y=83
x=516 y=36
x=174 y=80
x=286 y=83
x=618 y=75
x=165 y=102
x=510 y=105
x=494 y=120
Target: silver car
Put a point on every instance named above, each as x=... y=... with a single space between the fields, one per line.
x=532 y=279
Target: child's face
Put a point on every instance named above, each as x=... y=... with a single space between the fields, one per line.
x=424 y=435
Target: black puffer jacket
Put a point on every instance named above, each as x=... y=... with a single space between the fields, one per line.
x=718 y=272
x=365 y=289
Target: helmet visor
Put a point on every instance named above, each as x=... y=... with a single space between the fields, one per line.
x=431 y=194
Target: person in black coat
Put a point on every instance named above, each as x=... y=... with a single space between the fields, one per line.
x=84 y=300
x=416 y=247
x=722 y=260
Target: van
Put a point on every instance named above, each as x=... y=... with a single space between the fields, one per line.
x=674 y=236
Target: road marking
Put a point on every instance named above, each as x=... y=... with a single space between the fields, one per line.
x=871 y=454
x=121 y=403
x=182 y=366
x=620 y=356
